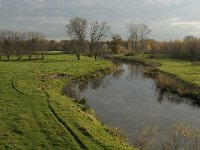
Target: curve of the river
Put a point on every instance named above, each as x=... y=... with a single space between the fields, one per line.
x=129 y=100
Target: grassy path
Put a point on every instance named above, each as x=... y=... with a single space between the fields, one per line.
x=34 y=115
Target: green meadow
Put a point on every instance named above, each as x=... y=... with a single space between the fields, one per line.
x=35 y=114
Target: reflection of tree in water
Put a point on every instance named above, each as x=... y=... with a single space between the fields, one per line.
x=83 y=86
x=96 y=84
x=135 y=71
x=118 y=72
x=103 y=82
x=164 y=96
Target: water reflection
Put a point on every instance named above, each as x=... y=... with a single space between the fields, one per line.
x=129 y=100
x=101 y=82
x=135 y=72
x=164 y=96
x=118 y=72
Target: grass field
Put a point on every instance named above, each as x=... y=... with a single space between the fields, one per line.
x=35 y=115
x=185 y=70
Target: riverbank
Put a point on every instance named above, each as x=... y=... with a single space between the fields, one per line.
x=36 y=115
x=182 y=77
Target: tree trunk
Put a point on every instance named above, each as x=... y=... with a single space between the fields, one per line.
x=29 y=57
x=78 y=56
x=95 y=56
x=132 y=45
x=91 y=51
x=0 y=58
x=8 y=57
x=42 y=56
x=19 y=57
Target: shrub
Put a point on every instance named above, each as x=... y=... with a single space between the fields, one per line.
x=130 y=54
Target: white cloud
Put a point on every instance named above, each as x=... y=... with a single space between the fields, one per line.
x=178 y=22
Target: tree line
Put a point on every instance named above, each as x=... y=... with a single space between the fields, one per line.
x=188 y=48
x=98 y=31
x=137 y=41
x=16 y=43
x=96 y=39
x=81 y=42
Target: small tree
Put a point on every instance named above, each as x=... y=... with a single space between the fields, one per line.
x=76 y=29
x=117 y=42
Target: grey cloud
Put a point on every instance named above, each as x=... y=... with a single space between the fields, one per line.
x=51 y=16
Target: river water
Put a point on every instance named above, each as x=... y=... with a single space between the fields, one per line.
x=129 y=100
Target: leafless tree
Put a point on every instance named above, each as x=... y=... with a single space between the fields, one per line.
x=133 y=37
x=144 y=32
x=78 y=46
x=76 y=29
x=7 y=38
x=15 y=43
x=138 y=33
x=42 y=47
x=33 y=42
x=98 y=31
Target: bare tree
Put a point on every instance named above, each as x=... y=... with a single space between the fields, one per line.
x=143 y=34
x=76 y=29
x=16 y=43
x=133 y=37
x=33 y=40
x=42 y=47
x=78 y=46
x=138 y=33
x=7 y=38
x=19 y=43
x=98 y=31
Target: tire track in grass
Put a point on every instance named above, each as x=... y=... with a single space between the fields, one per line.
x=82 y=145
x=56 y=127
x=18 y=91
x=81 y=129
x=14 y=87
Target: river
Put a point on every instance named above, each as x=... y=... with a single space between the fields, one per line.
x=130 y=100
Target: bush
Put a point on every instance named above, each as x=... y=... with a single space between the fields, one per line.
x=130 y=54
x=83 y=101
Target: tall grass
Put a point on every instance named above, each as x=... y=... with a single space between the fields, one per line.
x=179 y=136
x=170 y=83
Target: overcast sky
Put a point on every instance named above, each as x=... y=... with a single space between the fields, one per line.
x=168 y=19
